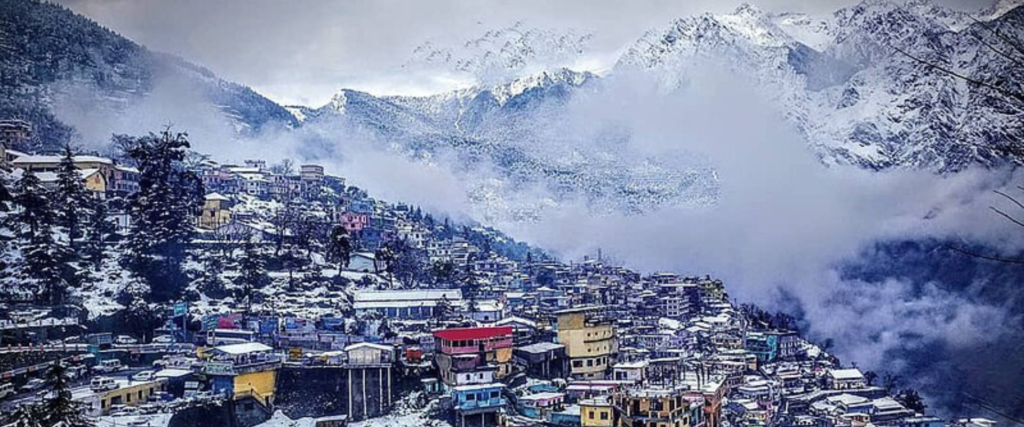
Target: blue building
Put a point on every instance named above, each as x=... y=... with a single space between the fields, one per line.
x=478 y=404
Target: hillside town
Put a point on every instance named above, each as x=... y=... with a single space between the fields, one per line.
x=301 y=300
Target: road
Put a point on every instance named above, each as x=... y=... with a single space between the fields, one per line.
x=9 y=403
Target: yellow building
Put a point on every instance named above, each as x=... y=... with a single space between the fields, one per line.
x=243 y=370
x=589 y=340
x=260 y=385
x=92 y=179
x=216 y=211
x=597 y=412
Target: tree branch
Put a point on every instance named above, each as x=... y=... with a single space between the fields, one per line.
x=985 y=257
x=1017 y=96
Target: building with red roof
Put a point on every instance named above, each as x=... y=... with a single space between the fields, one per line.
x=473 y=350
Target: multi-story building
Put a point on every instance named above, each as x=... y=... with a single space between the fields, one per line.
x=216 y=211
x=589 y=338
x=667 y=406
x=99 y=174
x=597 y=412
x=12 y=132
x=845 y=379
x=463 y=350
x=478 y=404
x=407 y=304
x=311 y=172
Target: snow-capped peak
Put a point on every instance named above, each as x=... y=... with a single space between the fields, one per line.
x=1000 y=8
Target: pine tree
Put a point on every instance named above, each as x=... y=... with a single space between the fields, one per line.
x=252 y=274
x=212 y=282
x=61 y=409
x=101 y=231
x=27 y=415
x=162 y=211
x=34 y=223
x=71 y=199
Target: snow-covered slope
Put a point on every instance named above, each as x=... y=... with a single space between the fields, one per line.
x=87 y=72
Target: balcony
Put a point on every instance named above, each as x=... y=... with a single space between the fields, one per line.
x=229 y=367
x=481 y=405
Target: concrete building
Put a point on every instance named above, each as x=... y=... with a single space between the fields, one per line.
x=406 y=304
x=469 y=349
x=370 y=383
x=597 y=412
x=543 y=360
x=243 y=370
x=216 y=211
x=845 y=379
x=12 y=134
x=590 y=341
x=658 y=406
x=311 y=172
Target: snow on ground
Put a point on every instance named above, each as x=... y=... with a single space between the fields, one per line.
x=279 y=419
x=672 y=324
x=407 y=420
x=154 y=420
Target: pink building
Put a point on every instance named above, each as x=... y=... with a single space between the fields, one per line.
x=353 y=222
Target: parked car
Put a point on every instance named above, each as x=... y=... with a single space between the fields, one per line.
x=102 y=384
x=6 y=389
x=125 y=340
x=106 y=366
x=75 y=372
x=163 y=339
x=33 y=384
x=123 y=410
x=144 y=376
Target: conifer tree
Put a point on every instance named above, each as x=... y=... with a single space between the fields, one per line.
x=252 y=274
x=101 y=231
x=163 y=211
x=71 y=200
x=43 y=256
x=61 y=409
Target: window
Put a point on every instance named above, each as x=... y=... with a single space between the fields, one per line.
x=577 y=363
x=470 y=396
x=494 y=395
x=590 y=414
x=604 y=415
x=590 y=362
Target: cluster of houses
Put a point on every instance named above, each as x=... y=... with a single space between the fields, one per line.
x=580 y=352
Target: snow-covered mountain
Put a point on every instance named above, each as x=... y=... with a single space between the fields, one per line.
x=54 y=59
x=838 y=79
x=842 y=81
x=519 y=131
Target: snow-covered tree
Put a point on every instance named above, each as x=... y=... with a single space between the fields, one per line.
x=252 y=274
x=101 y=232
x=163 y=211
x=60 y=409
x=43 y=257
x=71 y=200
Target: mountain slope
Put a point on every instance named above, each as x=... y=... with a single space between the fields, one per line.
x=520 y=131
x=53 y=56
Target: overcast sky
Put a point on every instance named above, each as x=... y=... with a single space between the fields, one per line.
x=303 y=51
